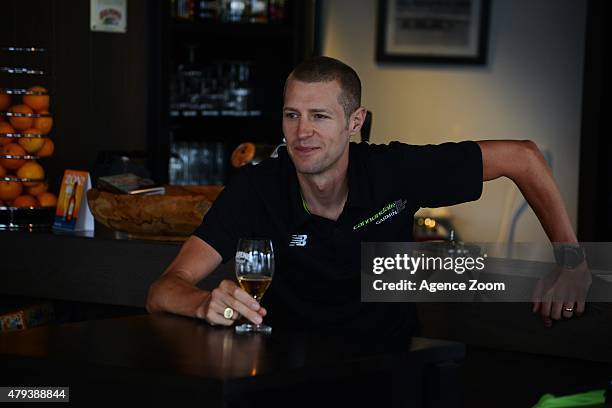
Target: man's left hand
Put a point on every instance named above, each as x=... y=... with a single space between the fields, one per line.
x=562 y=293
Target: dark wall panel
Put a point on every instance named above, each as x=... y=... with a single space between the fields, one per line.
x=102 y=84
x=98 y=82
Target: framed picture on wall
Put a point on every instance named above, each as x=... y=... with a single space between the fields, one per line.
x=433 y=31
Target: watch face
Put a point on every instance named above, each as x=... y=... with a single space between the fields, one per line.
x=569 y=256
x=572 y=257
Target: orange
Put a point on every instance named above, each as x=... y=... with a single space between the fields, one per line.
x=43 y=124
x=37 y=102
x=47 y=199
x=31 y=144
x=5 y=128
x=5 y=101
x=47 y=148
x=10 y=190
x=37 y=188
x=25 y=201
x=19 y=122
x=31 y=170
x=12 y=149
x=2 y=171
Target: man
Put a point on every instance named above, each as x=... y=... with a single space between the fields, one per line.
x=312 y=202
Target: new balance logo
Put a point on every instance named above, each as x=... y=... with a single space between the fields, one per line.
x=298 y=240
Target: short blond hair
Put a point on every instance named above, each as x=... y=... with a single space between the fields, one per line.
x=327 y=69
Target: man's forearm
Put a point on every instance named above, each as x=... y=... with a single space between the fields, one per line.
x=538 y=186
x=172 y=294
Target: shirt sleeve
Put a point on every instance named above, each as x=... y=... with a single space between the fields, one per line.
x=441 y=175
x=230 y=216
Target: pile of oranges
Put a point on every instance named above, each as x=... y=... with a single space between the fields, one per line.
x=23 y=138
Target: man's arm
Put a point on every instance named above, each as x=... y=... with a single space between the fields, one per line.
x=176 y=291
x=523 y=163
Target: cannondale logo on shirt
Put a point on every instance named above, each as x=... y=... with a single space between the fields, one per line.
x=388 y=211
x=298 y=240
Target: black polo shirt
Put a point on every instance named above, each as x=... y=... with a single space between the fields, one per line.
x=317 y=280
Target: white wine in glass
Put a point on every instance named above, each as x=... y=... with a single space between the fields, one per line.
x=255 y=285
x=254 y=271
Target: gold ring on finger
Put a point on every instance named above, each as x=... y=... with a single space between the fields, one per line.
x=228 y=313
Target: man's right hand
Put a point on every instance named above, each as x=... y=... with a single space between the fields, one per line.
x=176 y=291
x=229 y=294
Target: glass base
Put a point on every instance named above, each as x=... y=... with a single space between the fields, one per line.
x=253 y=328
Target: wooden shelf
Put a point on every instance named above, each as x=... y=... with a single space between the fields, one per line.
x=240 y=31
x=183 y=116
x=216 y=113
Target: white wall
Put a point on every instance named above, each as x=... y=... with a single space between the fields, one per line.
x=531 y=88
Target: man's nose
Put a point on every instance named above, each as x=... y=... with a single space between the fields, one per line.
x=305 y=128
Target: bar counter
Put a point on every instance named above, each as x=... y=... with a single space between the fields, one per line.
x=79 y=267
x=501 y=339
x=164 y=358
x=106 y=270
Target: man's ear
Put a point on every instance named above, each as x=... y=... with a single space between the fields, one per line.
x=356 y=120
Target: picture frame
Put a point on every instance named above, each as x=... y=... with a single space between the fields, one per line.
x=421 y=31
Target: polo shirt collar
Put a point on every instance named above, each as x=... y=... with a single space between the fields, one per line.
x=359 y=195
x=300 y=216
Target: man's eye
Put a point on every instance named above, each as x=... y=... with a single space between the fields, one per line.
x=320 y=116
x=290 y=115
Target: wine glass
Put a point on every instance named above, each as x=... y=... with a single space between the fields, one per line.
x=254 y=271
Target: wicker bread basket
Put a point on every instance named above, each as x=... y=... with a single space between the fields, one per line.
x=172 y=216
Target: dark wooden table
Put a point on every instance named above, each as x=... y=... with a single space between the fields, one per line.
x=170 y=359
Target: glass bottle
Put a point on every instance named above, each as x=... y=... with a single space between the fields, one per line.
x=234 y=11
x=207 y=10
x=189 y=82
x=276 y=11
x=259 y=11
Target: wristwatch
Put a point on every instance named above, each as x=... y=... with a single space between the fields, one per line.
x=569 y=256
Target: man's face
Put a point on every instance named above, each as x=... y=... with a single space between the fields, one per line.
x=314 y=126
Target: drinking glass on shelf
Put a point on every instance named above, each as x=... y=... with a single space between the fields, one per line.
x=176 y=168
x=254 y=271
